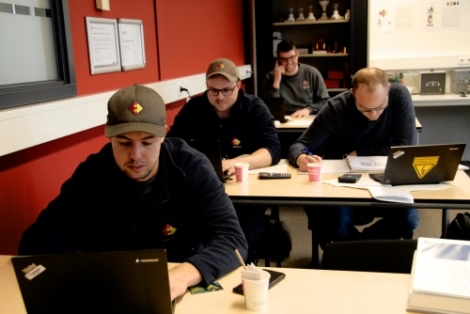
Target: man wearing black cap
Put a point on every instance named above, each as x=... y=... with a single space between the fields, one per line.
x=241 y=122
x=143 y=191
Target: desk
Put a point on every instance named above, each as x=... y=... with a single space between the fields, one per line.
x=302 y=291
x=299 y=191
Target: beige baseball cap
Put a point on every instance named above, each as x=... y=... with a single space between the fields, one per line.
x=225 y=67
x=136 y=108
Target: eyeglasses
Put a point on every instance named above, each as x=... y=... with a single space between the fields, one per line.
x=225 y=91
x=368 y=110
x=288 y=59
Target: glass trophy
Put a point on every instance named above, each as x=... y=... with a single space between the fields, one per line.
x=310 y=16
x=347 y=15
x=324 y=4
x=291 y=15
x=301 y=17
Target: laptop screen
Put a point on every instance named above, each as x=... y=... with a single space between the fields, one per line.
x=111 y=282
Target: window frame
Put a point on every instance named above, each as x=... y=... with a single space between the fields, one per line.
x=65 y=86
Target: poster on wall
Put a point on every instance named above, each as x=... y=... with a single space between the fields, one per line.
x=103 y=45
x=131 y=41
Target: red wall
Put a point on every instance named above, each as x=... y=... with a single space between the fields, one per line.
x=181 y=38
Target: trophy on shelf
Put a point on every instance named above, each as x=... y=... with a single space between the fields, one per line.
x=336 y=15
x=324 y=4
x=291 y=15
x=310 y=16
x=347 y=14
x=301 y=17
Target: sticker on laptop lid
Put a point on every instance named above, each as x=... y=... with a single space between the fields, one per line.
x=398 y=153
x=33 y=270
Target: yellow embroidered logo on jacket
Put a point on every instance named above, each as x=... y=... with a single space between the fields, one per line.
x=168 y=230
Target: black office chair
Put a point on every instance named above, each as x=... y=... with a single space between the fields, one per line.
x=388 y=256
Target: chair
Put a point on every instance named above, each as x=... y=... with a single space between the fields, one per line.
x=388 y=256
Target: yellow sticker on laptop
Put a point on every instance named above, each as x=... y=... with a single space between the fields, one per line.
x=423 y=165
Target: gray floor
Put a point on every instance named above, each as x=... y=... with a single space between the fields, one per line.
x=296 y=220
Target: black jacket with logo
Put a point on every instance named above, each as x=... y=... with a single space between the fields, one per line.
x=187 y=212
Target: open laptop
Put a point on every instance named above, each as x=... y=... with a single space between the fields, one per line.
x=420 y=164
x=111 y=282
x=277 y=108
x=211 y=148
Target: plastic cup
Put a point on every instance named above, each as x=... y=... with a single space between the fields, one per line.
x=256 y=291
x=241 y=171
x=314 y=171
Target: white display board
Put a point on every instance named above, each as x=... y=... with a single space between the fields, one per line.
x=418 y=34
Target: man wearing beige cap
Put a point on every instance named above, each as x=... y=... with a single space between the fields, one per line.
x=241 y=122
x=144 y=191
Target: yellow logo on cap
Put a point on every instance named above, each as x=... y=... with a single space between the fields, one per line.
x=135 y=108
x=221 y=66
x=423 y=165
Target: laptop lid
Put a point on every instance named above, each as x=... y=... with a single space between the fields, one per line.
x=211 y=148
x=277 y=108
x=420 y=164
x=111 y=282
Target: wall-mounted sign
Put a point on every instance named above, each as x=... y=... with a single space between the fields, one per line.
x=103 y=45
x=131 y=38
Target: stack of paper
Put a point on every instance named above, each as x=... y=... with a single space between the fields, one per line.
x=440 y=277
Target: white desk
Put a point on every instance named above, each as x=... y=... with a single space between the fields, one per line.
x=302 y=291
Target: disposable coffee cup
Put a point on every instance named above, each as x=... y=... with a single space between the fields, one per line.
x=314 y=171
x=241 y=171
x=256 y=291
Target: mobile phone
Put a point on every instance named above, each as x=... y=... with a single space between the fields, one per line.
x=349 y=177
x=275 y=278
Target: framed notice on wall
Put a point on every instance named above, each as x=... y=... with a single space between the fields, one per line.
x=131 y=39
x=103 y=45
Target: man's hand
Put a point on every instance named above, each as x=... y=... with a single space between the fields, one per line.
x=301 y=113
x=279 y=71
x=181 y=277
x=228 y=166
x=305 y=159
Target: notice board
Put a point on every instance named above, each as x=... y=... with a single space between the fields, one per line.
x=418 y=34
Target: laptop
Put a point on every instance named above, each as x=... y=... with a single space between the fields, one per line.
x=419 y=164
x=211 y=148
x=111 y=282
x=277 y=108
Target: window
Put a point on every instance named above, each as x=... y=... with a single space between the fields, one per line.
x=39 y=34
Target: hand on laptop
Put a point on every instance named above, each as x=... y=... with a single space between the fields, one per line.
x=181 y=277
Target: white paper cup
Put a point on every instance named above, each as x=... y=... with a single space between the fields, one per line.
x=256 y=292
x=241 y=171
x=314 y=171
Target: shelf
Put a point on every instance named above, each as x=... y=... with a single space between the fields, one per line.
x=324 y=55
x=337 y=90
x=310 y=22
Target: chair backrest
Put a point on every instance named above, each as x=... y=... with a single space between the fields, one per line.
x=388 y=256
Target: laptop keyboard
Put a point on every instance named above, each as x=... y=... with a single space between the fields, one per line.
x=379 y=177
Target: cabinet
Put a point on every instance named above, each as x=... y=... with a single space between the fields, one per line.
x=345 y=41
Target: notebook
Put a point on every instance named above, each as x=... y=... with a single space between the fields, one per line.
x=211 y=148
x=111 y=282
x=421 y=164
x=277 y=108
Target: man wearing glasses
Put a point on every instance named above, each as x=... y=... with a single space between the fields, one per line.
x=241 y=122
x=301 y=85
x=364 y=121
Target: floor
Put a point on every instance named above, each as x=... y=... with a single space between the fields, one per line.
x=296 y=221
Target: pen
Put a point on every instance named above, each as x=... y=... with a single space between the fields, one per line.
x=308 y=152
x=240 y=259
